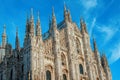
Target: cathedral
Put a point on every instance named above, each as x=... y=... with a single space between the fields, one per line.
x=64 y=52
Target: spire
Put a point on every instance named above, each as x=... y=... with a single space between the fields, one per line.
x=4 y=29
x=31 y=14
x=65 y=7
x=54 y=25
x=38 y=29
x=17 y=43
x=31 y=23
x=65 y=12
x=53 y=14
x=4 y=36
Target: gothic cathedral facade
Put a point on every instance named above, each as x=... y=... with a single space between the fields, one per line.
x=62 y=53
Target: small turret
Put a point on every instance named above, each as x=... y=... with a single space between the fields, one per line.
x=4 y=37
x=17 y=43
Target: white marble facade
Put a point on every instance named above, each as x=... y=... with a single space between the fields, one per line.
x=62 y=53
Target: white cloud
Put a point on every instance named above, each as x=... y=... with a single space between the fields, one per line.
x=88 y=4
x=107 y=32
x=115 y=53
x=92 y=26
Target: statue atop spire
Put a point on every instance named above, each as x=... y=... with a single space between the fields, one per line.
x=95 y=45
x=83 y=26
x=17 y=43
x=4 y=37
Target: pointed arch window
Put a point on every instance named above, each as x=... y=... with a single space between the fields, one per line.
x=64 y=77
x=80 y=68
x=48 y=75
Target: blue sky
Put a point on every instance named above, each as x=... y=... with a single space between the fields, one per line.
x=102 y=18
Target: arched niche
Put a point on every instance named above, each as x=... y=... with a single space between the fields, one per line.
x=49 y=72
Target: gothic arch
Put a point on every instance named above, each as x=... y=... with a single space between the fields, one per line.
x=95 y=72
x=78 y=45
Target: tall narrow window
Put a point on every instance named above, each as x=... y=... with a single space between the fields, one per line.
x=48 y=75
x=22 y=71
x=22 y=68
x=1 y=77
x=78 y=45
x=11 y=75
x=64 y=77
x=81 y=69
